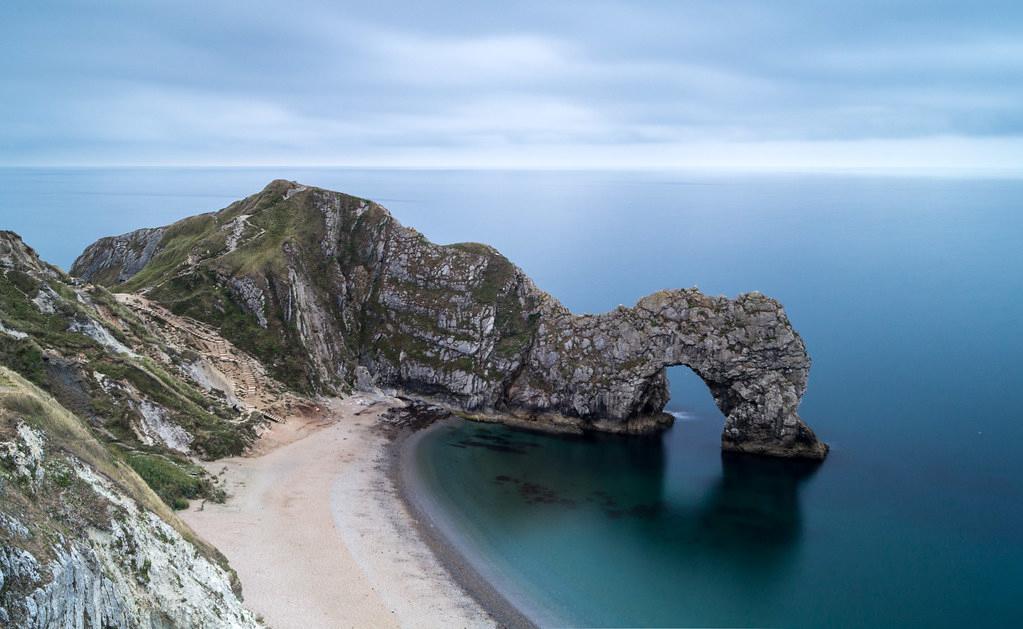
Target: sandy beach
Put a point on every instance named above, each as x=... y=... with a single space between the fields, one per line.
x=318 y=535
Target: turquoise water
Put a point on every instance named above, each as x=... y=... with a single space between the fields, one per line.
x=668 y=532
x=908 y=292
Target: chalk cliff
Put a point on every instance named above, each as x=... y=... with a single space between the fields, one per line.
x=84 y=542
x=105 y=403
x=322 y=286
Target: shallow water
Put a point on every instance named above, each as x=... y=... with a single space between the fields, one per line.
x=908 y=292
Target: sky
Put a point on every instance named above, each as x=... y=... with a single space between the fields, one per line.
x=554 y=84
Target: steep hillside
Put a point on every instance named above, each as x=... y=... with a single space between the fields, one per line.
x=150 y=387
x=320 y=285
x=84 y=541
x=316 y=282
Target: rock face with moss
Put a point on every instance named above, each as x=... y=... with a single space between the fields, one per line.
x=317 y=284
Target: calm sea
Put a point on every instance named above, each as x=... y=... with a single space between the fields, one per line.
x=908 y=292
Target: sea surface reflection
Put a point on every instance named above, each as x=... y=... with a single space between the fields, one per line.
x=755 y=501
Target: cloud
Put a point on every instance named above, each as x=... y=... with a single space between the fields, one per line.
x=496 y=59
x=397 y=81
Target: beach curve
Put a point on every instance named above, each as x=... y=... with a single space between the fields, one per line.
x=318 y=534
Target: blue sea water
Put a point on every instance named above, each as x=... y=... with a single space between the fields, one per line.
x=908 y=292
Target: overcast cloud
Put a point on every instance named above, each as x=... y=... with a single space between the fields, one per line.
x=758 y=84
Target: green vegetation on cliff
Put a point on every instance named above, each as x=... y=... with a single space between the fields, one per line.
x=96 y=358
x=84 y=539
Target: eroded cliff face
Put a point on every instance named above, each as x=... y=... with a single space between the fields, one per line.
x=84 y=542
x=160 y=389
x=106 y=402
x=317 y=283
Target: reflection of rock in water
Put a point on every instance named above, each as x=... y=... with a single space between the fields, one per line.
x=754 y=505
x=756 y=502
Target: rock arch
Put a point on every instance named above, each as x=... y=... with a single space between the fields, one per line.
x=609 y=369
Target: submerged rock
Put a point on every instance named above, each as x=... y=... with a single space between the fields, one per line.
x=320 y=283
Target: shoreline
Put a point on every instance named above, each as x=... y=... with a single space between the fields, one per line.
x=398 y=468
x=319 y=535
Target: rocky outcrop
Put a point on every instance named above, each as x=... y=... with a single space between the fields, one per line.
x=127 y=253
x=15 y=255
x=318 y=283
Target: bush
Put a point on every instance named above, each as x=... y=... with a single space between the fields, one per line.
x=171 y=481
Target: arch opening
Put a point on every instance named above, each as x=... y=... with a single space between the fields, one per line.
x=689 y=396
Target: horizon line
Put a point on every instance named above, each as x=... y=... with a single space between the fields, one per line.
x=909 y=170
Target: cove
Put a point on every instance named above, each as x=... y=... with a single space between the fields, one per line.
x=906 y=290
x=669 y=531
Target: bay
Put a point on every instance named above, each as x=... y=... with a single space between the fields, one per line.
x=908 y=292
